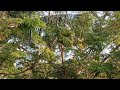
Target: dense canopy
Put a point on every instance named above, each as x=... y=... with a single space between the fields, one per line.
x=59 y=44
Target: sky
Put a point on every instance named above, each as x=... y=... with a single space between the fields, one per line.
x=69 y=12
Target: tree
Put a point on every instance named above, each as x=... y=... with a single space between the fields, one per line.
x=59 y=45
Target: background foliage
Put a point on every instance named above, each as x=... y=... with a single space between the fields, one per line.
x=59 y=45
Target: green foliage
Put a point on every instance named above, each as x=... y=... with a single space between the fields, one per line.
x=97 y=67
x=49 y=55
x=59 y=47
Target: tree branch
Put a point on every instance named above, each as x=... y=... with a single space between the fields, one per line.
x=16 y=73
x=30 y=68
x=109 y=54
x=106 y=59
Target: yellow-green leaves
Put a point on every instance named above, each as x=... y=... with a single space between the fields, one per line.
x=17 y=54
x=117 y=41
x=36 y=38
x=34 y=22
x=49 y=55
